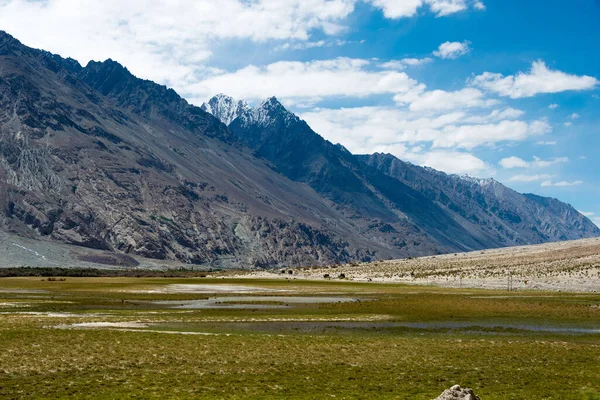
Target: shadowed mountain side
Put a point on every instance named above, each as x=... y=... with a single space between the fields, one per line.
x=505 y=217
x=78 y=168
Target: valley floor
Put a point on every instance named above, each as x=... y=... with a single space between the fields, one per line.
x=564 y=266
x=272 y=339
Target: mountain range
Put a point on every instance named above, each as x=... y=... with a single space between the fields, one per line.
x=96 y=157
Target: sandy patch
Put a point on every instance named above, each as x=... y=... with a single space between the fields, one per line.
x=52 y=314
x=100 y=325
x=15 y=305
x=217 y=288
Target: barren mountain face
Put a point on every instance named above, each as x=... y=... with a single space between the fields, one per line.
x=488 y=208
x=96 y=157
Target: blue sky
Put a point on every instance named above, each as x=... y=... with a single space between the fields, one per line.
x=493 y=88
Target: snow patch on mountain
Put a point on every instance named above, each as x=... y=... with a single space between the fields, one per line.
x=226 y=108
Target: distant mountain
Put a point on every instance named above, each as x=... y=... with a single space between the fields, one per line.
x=486 y=206
x=457 y=212
x=96 y=157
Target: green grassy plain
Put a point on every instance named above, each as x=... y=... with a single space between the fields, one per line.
x=396 y=342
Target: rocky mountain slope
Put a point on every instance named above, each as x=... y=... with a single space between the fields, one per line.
x=505 y=217
x=470 y=213
x=96 y=157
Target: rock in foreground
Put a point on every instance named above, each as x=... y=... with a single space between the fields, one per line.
x=458 y=393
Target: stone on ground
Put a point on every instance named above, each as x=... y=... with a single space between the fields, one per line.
x=458 y=393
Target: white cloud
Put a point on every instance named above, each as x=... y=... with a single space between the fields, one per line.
x=530 y=178
x=479 y=6
x=553 y=106
x=547 y=143
x=513 y=162
x=447 y=7
x=404 y=63
x=408 y=8
x=170 y=41
x=452 y=50
x=165 y=41
x=575 y=116
x=426 y=139
x=452 y=162
x=413 y=62
x=539 y=80
x=443 y=100
x=516 y=162
x=304 y=45
x=495 y=115
x=471 y=136
x=340 y=77
x=538 y=162
x=561 y=183
x=586 y=214
x=398 y=9
x=567 y=124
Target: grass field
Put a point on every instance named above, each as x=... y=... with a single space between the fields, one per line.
x=224 y=338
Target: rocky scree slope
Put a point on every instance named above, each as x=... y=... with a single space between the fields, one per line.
x=96 y=157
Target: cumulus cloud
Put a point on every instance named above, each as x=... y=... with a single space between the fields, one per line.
x=575 y=116
x=447 y=7
x=561 y=183
x=408 y=8
x=513 y=162
x=553 y=106
x=471 y=136
x=516 y=162
x=168 y=42
x=540 y=79
x=442 y=100
x=441 y=140
x=547 y=143
x=452 y=162
x=171 y=41
x=340 y=77
x=366 y=127
x=452 y=50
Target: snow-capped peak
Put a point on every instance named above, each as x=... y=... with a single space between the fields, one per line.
x=225 y=108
